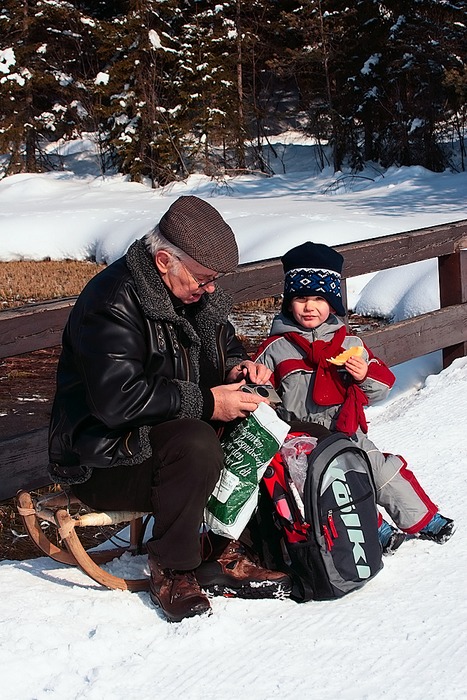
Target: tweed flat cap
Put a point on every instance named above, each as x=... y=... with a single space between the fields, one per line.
x=199 y=230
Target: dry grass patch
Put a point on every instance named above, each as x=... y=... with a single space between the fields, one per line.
x=26 y=281
x=267 y=304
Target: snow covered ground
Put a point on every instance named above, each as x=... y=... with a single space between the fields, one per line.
x=405 y=633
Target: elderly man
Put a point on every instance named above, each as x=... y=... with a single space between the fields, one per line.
x=150 y=364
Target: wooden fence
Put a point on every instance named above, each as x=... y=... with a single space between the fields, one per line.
x=23 y=456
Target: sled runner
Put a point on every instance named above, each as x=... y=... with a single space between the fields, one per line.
x=66 y=514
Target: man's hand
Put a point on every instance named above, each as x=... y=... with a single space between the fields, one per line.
x=231 y=403
x=251 y=371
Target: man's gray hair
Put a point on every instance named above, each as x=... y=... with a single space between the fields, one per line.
x=155 y=241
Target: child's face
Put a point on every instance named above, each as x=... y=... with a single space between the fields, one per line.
x=310 y=312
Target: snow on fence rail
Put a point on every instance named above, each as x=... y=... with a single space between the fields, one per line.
x=23 y=456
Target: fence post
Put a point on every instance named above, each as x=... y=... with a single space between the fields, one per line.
x=453 y=290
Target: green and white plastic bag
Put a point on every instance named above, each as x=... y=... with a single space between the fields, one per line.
x=247 y=452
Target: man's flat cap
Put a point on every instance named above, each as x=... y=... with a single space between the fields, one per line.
x=199 y=230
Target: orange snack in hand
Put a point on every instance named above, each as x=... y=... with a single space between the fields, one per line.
x=341 y=359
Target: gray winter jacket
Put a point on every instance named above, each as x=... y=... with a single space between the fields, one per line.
x=294 y=385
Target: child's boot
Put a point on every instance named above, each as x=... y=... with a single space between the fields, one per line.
x=390 y=539
x=439 y=529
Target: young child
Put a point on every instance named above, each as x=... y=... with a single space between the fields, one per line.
x=304 y=337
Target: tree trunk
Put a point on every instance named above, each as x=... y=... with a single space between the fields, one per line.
x=241 y=124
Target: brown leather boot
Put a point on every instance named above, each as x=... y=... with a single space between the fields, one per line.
x=176 y=593
x=235 y=574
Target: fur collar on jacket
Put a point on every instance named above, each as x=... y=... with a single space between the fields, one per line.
x=157 y=305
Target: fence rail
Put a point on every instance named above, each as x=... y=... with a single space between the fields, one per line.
x=23 y=456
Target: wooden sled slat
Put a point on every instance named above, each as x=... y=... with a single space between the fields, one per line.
x=53 y=509
x=32 y=526
x=88 y=565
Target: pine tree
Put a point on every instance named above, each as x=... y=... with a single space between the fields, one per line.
x=320 y=43
x=141 y=109
x=46 y=49
x=174 y=86
x=401 y=90
x=220 y=53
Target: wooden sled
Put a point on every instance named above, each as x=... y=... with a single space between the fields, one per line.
x=66 y=513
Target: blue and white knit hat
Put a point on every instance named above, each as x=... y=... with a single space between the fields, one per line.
x=313 y=269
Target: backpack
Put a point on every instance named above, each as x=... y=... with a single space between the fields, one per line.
x=331 y=544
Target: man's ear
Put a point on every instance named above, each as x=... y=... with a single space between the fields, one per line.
x=162 y=261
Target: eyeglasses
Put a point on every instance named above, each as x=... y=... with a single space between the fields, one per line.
x=201 y=285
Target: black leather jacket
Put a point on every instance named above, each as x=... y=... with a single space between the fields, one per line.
x=131 y=359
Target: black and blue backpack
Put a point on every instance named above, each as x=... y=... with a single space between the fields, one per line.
x=330 y=544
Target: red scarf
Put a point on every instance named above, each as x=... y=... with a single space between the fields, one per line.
x=328 y=387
